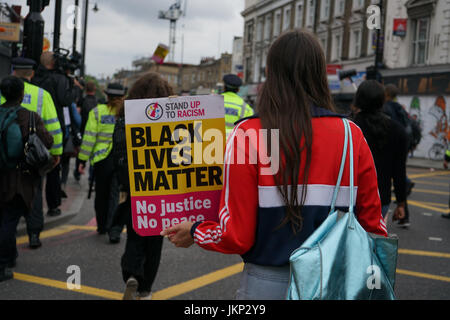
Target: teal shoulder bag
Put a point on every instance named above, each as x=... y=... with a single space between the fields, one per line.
x=340 y=260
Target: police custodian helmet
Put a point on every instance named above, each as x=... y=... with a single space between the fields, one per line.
x=232 y=81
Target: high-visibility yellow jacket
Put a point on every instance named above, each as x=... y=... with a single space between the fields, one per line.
x=235 y=109
x=97 y=139
x=40 y=101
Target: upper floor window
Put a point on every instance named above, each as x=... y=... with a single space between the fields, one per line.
x=299 y=14
x=420 y=40
x=358 y=4
x=339 y=8
x=277 y=23
x=287 y=18
x=311 y=13
x=324 y=10
x=355 y=46
x=267 y=27
x=249 y=32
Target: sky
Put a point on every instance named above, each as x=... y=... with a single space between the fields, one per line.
x=124 y=30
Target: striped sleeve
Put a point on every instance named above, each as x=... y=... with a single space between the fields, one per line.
x=89 y=137
x=51 y=123
x=235 y=231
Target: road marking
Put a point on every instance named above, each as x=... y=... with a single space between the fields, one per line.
x=424 y=206
x=50 y=233
x=427 y=214
x=434 y=239
x=197 y=283
x=424 y=253
x=423 y=275
x=63 y=285
x=445 y=193
x=441 y=184
x=432 y=174
x=442 y=205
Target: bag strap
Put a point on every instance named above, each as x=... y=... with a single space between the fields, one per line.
x=352 y=181
x=32 y=124
x=341 y=170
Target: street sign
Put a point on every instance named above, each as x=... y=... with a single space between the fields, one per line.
x=400 y=26
x=10 y=32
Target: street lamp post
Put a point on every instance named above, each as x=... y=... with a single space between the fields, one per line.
x=34 y=30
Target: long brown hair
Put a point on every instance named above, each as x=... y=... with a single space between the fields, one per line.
x=149 y=86
x=296 y=80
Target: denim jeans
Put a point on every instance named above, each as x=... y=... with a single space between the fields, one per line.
x=263 y=283
x=384 y=210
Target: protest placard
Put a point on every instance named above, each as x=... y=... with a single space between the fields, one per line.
x=175 y=160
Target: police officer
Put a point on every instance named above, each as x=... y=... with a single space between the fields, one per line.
x=96 y=147
x=40 y=101
x=235 y=107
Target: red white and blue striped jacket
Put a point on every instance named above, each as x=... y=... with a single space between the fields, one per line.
x=251 y=208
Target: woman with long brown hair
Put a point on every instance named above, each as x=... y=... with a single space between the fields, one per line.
x=265 y=217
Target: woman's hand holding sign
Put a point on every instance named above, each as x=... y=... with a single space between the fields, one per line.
x=180 y=234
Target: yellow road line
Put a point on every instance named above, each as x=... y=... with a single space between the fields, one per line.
x=423 y=275
x=63 y=285
x=199 y=282
x=444 y=193
x=430 y=174
x=50 y=233
x=441 y=205
x=440 y=184
x=421 y=205
x=424 y=253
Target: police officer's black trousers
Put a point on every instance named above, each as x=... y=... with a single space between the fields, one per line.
x=35 y=220
x=53 y=188
x=142 y=255
x=10 y=214
x=106 y=193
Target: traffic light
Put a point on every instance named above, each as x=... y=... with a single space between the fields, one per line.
x=33 y=35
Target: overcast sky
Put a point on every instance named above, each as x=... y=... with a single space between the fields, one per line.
x=123 y=30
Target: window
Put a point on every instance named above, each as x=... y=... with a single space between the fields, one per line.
x=277 y=24
x=267 y=27
x=287 y=18
x=339 y=8
x=337 y=47
x=356 y=43
x=324 y=10
x=250 y=33
x=324 y=42
x=421 y=34
x=311 y=13
x=358 y=4
x=256 y=68
x=259 y=29
x=299 y=15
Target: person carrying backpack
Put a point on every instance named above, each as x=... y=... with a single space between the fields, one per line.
x=397 y=113
x=18 y=183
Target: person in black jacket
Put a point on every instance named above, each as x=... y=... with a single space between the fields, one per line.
x=18 y=186
x=61 y=88
x=388 y=142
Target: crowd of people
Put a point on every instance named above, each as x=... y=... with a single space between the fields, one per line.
x=279 y=212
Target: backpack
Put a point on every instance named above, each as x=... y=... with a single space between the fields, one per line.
x=11 y=140
x=119 y=154
x=416 y=133
x=411 y=126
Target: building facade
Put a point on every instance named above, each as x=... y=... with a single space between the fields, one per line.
x=340 y=26
x=417 y=60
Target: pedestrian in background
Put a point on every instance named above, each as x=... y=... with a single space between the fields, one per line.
x=235 y=107
x=87 y=103
x=18 y=186
x=397 y=113
x=264 y=218
x=38 y=100
x=388 y=142
x=141 y=259
x=50 y=77
x=96 y=147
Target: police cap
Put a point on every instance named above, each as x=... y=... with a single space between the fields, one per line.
x=20 y=63
x=232 y=81
x=116 y=89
